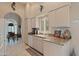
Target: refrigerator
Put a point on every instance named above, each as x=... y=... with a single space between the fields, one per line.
x=75 y=36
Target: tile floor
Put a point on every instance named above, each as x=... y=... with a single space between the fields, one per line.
x=17 y=48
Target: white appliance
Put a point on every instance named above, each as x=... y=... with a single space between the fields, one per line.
x=75 y=36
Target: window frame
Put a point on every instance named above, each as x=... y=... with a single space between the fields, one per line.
x=43 y=18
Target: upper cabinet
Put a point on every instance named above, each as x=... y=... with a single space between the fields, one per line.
x=33 y=22
x=51 y=18
x=29 y=23
x=59 y=17
x=62 y=17
x=54 y=5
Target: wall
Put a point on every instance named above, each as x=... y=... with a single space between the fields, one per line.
x=20 y=10
x=33 y=9
x=14 y=16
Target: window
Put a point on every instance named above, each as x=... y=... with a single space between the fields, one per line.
x=43 y=24
x=46 y=24
x=12 y=28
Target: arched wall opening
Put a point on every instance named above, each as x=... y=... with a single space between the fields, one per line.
x=14 y=18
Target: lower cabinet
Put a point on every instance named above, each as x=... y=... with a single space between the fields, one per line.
x=30 y=40
x=51 y=49
x=38 y=44
x=35 y=43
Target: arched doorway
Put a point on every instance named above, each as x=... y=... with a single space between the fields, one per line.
x=16 y=20
x=12 y=30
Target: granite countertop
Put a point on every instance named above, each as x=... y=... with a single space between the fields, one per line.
x=52 y=39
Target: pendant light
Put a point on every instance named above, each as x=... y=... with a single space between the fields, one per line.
x=13 y=6
x=41 y=8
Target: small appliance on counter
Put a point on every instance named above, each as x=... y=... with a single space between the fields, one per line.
x=57 y=33
x=35 y=30
x=66 y=34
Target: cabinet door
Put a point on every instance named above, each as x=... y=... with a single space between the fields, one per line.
x=62 y=17
x=29 y=25
x=30 y=40
x=33 y=22
x=40 y=45
x=51 y=18
x=35 y=42
x=51 y=49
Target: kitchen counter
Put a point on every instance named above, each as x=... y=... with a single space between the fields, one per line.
x=50 y=45
x=51 y=39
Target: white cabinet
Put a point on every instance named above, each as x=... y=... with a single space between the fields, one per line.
x=59 y=17
x=29 y=23
x=37 y=44
x=33 y=20
x=62 y=16
x=40 y=45
x=51 y=18
x=52 y=49
x=49 y=48
x=30 y=40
